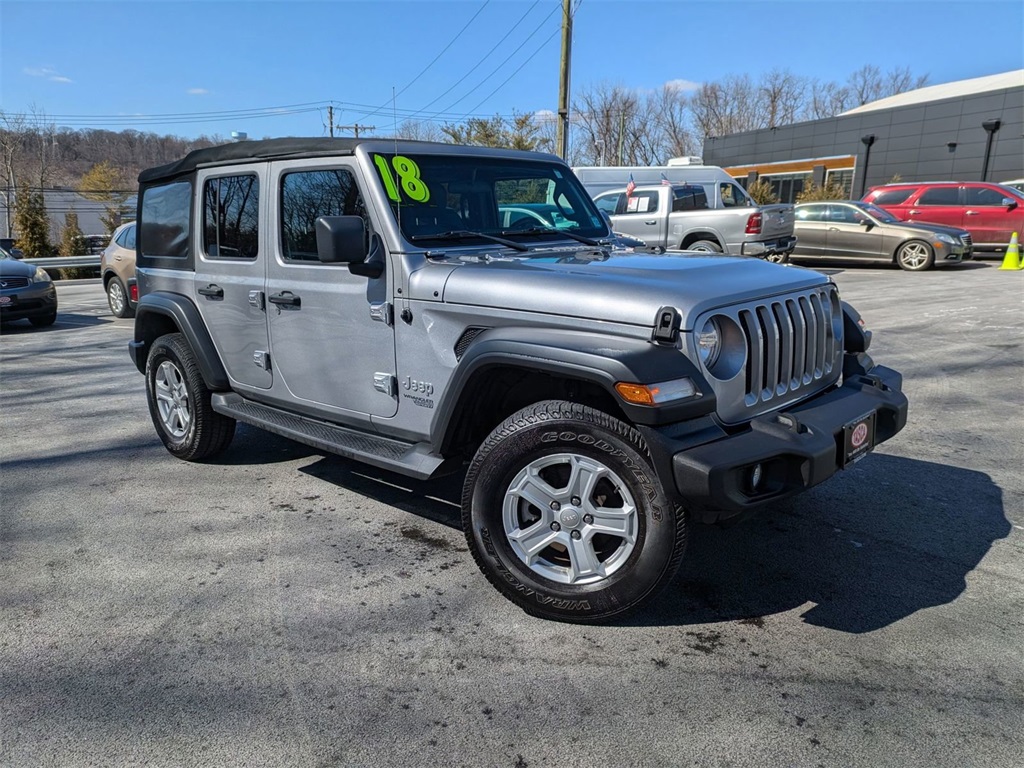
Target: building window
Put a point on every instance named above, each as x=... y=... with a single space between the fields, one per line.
x=843 y=178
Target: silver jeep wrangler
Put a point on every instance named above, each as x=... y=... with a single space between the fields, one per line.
x=391 y=302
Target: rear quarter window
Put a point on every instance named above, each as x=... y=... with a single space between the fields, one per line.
x=163 y=231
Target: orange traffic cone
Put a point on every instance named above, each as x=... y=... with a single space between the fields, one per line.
x=1012 y=258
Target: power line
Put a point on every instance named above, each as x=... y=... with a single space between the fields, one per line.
x=505 y=82
x=476 y=66
x=506 y=59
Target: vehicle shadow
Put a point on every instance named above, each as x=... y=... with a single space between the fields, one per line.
x=873 y=545
x=65 y=320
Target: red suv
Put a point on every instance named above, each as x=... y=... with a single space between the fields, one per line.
x=990 y=212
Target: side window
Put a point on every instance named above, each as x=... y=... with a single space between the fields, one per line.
x=732 y=196
x=164 y=229
x=892 y=196
x=231 y=217
x=984 y=196
x=129 y=239
x=122 y=239
x=940 y=196
x=642 y=202
x=608 y=203
x=689 y=198
x=811 y=213
x=843 y=214
x=307 y=195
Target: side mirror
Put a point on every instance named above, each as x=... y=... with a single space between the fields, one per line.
x=17 y=253
x=868 y=224
x=1009 y=203
x=341 y=239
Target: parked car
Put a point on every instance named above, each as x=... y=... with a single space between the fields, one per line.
x=990 y=212
x=117 y=269
x=26 y=292
x=1017 y=184
x=848 y=229
x=711 y=218
x=364 y=297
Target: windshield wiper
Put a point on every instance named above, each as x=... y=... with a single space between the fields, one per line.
x=551 y=231
x=465 y=234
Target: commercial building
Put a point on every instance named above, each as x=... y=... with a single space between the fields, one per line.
x=970 y=130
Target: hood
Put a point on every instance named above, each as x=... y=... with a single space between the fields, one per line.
x=926 y=226
x=15 y=268
x=622 y=288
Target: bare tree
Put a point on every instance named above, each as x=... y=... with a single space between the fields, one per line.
x=827 y=99
x=781 y=97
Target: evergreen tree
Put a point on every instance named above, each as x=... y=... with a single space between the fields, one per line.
x=32 y=224
x=72 y=240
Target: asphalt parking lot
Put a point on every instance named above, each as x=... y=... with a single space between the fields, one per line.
x=279 y=607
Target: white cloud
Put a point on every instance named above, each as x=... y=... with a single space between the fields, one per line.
x=197 y=91
x=682 y=85
x=48 y=72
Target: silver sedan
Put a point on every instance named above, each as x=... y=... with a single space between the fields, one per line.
x=856 y=231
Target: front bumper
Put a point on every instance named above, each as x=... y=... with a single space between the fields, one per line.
x=769 y=247
x=951 y=254
x=38 y=300
x=797 y=448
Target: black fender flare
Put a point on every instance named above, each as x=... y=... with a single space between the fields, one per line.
x=151 y=316
x=584 y=355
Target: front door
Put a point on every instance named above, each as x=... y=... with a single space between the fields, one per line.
x=230 y=271
x=938 y=205
x=332 y=345
x=848 y=235
x=638 y=216
x=986 y=218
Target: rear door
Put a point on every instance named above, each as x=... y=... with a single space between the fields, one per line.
x=331 y=338
x=811 y=229
x=938 y=205
x=989 y=221
x=230 y=270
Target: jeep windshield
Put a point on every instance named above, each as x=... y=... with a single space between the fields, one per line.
x=452 y=199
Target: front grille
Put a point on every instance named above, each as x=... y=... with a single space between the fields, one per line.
x=793 y=347
x=968 y=240
x=13 y=282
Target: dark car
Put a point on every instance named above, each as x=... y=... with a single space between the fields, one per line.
x=990 y=212
x=26 y=291
x=856 y=231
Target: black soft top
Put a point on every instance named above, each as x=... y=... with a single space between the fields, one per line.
x=268 y=149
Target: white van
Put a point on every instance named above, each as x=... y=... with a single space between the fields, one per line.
x=601 y=178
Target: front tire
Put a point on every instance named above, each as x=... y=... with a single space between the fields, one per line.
x=44 y=320
x=566 y=517
x=117 y=299
x=915 y=256
x=179 y=402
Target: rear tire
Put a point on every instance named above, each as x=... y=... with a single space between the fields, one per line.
x=704 y=246
x=179 y=402
x=915 y=256
x=117 y=299
x=778 y=258
x=566 y=517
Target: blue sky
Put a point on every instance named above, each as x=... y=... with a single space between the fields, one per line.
x=103 y=64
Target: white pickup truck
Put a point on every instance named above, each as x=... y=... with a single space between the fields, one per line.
x=714 y=217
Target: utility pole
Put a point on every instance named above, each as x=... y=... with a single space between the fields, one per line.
x=330 y=119
x=356 y=128
x=562 y=130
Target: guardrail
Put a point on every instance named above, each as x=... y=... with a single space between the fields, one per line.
x=57 y=262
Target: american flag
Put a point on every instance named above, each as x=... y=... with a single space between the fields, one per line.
x=664 y=180
x=630 y=186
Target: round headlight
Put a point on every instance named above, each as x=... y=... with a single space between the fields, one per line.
x=41 y=276
x=709 y=343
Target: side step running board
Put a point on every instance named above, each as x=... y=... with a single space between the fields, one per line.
x=413 y=459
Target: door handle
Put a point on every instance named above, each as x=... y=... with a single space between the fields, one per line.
x=913 y=210
x=651 y=223
x=285 y=299
x=212 y=291
x=972 y=213
x=834 y=229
